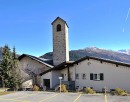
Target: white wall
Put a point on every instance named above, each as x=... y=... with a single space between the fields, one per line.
x=113 y=76
x=33 y=66
x=53 y=76
x=47 y=76
x=65 y=72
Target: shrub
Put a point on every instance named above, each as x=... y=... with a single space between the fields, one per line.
x=89 y=90
x=10 y=89
x=35 y=88
x=63 y=88
x=121 y=92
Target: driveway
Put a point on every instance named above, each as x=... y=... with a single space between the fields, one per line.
x=28 y=96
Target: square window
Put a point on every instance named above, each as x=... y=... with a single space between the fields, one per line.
x=96 y=76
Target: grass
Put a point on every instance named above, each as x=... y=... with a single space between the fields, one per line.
x=5 y=93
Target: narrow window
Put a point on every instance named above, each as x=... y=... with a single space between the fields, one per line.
x=94 y=76
x=91 y=76
x=101 y=76
x=62 y=75
x=58 y=27
x=83 y=76
x=77 y=76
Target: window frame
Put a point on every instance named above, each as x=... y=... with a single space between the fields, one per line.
x=97 y=77
x=77 y=76
x=84 y=76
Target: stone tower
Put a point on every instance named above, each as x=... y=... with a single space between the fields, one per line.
x=60 y=41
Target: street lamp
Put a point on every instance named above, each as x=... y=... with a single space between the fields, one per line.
x=105 y=89
x=60 y=83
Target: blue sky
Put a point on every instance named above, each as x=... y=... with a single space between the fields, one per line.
x=26 y=24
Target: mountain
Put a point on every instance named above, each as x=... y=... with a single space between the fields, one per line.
x=95 y=52
x=125 y=51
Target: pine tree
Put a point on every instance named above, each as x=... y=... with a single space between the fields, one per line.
x=16 y=75
x=6 y=66
x=9 y=69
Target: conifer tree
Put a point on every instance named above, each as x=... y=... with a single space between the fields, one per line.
x=16 y=75
x=9 y=69
x=6 y=66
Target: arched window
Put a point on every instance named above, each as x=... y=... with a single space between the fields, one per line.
x=58 y=27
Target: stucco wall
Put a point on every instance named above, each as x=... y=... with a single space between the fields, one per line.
x=113 y=76
x=65 y=72
x=28 y=66
x=47 y=76
x=53 y=76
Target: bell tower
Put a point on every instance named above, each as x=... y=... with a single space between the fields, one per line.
x=60 y=41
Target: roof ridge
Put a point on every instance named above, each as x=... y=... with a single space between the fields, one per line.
x=60 y=19
x=35 y=58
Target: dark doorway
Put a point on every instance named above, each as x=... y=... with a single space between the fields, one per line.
x=46 y=83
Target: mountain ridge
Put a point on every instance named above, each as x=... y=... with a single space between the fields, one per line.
x=120 y=55
x=95 y=52
x=126 y=51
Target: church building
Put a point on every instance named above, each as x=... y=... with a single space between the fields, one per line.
x=85 y=72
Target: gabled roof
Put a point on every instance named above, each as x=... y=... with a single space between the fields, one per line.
x=46 y=62
x=71 y=63
x=103 y=60
x=60 y=19
x=59 y=67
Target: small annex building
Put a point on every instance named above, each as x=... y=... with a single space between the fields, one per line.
x=89 y=71
x=31 y=67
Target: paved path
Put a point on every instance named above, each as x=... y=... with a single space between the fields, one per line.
x=29 y=96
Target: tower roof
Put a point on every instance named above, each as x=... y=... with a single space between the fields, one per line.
x=60 y=19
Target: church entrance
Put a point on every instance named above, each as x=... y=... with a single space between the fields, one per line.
x=46 y=83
